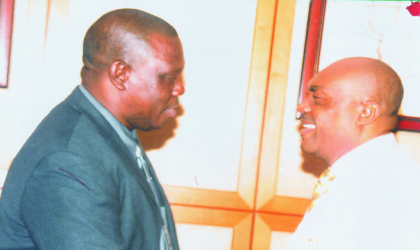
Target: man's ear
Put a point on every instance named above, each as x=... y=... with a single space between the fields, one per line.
x=369 y=113
x=118 y=74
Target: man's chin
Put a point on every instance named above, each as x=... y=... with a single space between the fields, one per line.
x=307 y=148
x=147 y=129
x=155 y=126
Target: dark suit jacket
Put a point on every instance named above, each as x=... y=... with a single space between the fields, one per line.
x=74 y=185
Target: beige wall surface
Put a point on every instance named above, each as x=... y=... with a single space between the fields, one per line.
x=38 y=77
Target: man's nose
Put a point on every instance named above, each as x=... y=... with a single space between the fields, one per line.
x=179 y=88
x=303 y=107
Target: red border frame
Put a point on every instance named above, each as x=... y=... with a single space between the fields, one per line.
x=6 y=23
x=311 y=59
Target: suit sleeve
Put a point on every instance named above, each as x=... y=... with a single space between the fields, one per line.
x=71 y=203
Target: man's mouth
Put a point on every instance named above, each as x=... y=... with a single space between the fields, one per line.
x=171 y=110
x=306 y=128
x=309 y=126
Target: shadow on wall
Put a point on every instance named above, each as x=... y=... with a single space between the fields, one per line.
x=313 y=165
x=157 y=138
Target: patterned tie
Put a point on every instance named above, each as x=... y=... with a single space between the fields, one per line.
x=165 y=240
x=322 y=187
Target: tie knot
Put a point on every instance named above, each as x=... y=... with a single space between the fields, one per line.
x=327 y=176
x=322 y=187
x=138 y=151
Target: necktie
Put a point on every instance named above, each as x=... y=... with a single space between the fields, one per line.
x=166 y=242
x=144 y=166
x=322 y=187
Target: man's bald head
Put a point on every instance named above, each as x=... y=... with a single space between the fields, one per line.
x=349 y=103
x=370 y=79
x=115 y=35
x=388 y=87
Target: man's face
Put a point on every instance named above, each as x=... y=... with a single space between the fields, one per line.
x=328 y=117
x=154 y=84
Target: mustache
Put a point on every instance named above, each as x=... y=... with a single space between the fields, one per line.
x=305 y=117
x=175 y=105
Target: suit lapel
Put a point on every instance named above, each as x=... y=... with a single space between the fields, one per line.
x=131 y=164
x=78 y=101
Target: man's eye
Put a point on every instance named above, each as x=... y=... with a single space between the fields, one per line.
x=170 y=79
x=318 y=100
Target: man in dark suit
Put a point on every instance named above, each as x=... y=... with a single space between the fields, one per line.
x=82 y=180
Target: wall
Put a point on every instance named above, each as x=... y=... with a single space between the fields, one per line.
x=37 y=81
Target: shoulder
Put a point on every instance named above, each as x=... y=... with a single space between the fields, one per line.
x=62 y=166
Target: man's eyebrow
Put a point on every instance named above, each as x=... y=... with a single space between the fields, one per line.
x=313 y=88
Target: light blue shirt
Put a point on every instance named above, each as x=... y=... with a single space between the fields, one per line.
x=128 y=137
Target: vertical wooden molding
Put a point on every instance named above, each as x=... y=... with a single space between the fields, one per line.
x=257 y=88
x=261 y=239
x=242 y=234
x=276 y=98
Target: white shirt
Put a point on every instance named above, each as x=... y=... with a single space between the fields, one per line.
x=373 y=202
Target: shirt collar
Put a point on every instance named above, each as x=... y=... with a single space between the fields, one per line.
x=348 y=164
x=128 y=137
